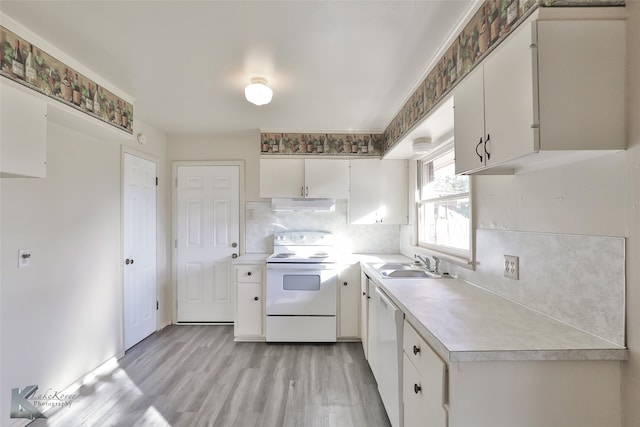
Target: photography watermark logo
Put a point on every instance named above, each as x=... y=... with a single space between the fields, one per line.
x=26 y=403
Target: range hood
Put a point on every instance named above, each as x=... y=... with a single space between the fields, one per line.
x=303 y=204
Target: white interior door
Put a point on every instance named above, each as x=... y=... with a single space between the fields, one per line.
x=139 y=249
x=208 y=221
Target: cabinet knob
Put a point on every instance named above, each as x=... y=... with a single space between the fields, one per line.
x=417 y=389
x=344 y=284
x=248 y=273
x=416 y=350
x=256 y=298
x=364 y=293
x=234 y=256
x=127 y=261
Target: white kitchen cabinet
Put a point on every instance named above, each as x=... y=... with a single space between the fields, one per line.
x=378 y=191
x=364 y=313
x=23 y=132
x=312 y=178
x=424 y=382
x=349 y=302
x=552 y=90
x=249 y=322
x=368 y=322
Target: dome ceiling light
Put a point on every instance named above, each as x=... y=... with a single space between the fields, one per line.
x=258 y=92
x=422 y=145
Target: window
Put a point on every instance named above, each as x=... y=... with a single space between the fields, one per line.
x=444 y=204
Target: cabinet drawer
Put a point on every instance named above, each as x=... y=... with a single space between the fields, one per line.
x=249 y=273
x=423 y=403
x=426 y=361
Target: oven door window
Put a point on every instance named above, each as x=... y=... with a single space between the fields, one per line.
x=301 y=282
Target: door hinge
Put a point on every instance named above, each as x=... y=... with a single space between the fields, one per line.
x=156 y=181
x=157 y=305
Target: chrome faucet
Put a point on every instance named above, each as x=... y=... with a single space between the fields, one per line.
x=424 y=260
x=427 y=262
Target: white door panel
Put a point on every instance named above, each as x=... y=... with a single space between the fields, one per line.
x=139 y=249
x=208 y=229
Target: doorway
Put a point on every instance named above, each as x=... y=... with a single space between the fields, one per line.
x=139 y=248
x=207 y=238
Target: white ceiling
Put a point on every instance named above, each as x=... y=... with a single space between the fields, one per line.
x=334 y=66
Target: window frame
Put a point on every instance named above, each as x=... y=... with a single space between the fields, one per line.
x=463 y=256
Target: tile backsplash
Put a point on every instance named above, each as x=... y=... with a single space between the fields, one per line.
x=262 y=222
x=579 y=280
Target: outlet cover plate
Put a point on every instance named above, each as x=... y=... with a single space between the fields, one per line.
x=511 y=267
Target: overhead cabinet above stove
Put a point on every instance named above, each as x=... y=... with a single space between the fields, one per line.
x=304 y=178
x=553 y=88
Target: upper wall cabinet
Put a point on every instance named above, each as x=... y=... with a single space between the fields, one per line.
x=23 y=132
x=552 y=88
x=378 y=191
x=313 y=178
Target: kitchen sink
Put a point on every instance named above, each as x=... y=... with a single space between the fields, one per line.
x=406 y=273
x=394 y=266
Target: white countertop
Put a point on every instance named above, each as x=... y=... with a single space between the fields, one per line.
x=464 y=323
x=250 y=259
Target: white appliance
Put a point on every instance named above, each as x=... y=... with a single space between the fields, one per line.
x=389 y=355
x=302 y=288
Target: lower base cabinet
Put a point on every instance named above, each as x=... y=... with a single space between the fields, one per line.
x=349 y=302
x=249 y=322
x=506 y=393
x=424 y=380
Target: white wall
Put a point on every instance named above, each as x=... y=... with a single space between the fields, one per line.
x=62 y=316
x=241 y=146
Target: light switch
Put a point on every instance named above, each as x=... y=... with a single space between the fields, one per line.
x=24 y=256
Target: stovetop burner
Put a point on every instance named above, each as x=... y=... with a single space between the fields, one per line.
x=303 y=246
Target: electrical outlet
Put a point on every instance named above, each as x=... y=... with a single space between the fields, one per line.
x=24 y=256
x=511 y=267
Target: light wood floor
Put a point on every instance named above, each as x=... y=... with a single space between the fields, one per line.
x=198 y=376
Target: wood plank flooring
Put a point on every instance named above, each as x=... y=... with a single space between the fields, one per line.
x=198 y=376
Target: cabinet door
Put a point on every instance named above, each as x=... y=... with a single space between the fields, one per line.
x=393 y=191
x=281 y=177
x=421 y=397
x=349 y=320
x=510 y=109
x=468 y=116
x=364 y=314
x=364 y=197
x=23 y=133
x=249 y=315
x=325 y=178
x=378 y=191
x=581 y=74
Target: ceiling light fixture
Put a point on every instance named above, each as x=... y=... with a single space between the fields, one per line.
x=258 y=92
x=422 y=145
